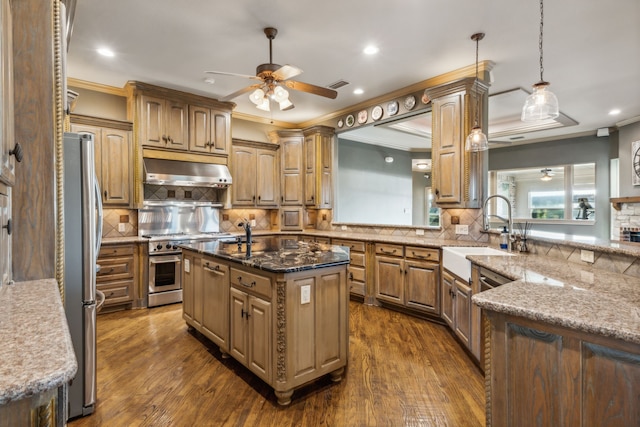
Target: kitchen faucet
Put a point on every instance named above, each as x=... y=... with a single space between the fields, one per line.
x=246 y=224
x=508 y=220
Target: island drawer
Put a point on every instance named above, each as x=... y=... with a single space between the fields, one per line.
x=353 y=245
x=114 y=251
x=389 y=249
x=427 y=254
x=251 y=282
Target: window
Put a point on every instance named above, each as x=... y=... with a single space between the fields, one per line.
x=548 y=193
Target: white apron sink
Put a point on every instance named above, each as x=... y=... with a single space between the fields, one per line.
x=454 y=258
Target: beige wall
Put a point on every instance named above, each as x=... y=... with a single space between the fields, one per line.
x=97 y=104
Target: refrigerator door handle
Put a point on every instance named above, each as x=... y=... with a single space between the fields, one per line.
x=89 y=358
x=99 y=219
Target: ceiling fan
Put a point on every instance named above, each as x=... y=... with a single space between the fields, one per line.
x=273 y=81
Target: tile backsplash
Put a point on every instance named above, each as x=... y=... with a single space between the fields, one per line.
x=112 y=218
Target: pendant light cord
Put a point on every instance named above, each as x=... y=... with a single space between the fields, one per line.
x=540 y=40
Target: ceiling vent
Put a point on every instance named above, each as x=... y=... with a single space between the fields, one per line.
x=338 y=84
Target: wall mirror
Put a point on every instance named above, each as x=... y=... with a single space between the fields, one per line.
x=384 y=173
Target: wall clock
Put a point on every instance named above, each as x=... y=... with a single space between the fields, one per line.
x=635 y=162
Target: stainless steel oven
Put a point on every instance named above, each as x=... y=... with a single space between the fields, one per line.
x=165 y=284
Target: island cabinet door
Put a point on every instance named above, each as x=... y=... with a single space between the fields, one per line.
x=187 y=288
x=238 y=346
x=258 y=319
x=215 y=298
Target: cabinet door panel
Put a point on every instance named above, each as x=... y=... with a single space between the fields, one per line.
x=259 y=319
x=291 y=164
x=187 y=287
x=389 y=279
x=422 y=286
x=153 y=120
x=220 y=132
x=447 y=298
x=462 y=312
x=199 y=129
x=267 y=178
x=215 y=295
x=243 y=189
x=176 y=125
x=237 y=327
x=116 y=164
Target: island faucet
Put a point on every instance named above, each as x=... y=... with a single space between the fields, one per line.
x=246 y=224
x=508 y=220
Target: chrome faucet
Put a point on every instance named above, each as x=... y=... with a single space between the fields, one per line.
x=508 y=220
x=246 y=224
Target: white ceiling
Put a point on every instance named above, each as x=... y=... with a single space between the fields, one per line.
x=591 y=49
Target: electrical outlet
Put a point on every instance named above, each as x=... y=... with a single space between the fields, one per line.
x=187 y=265
x=253 y=222
x=419 y=232
x=587 y=256
x=305 y=294
x=343 y=228
x=122 y=227
x=462 y=229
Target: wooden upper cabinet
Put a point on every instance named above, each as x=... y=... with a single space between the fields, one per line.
x=318 y=167
x=291 y=174
x=256 y=176
x=164 y=123
x=113 y=157
x=7 y=130
x=459 y=177
x=209 y=130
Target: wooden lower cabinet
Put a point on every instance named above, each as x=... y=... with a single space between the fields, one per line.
x=357 y=270
x=287 y=328
x=117 y=276
x=545 y=375
x=408 y=276
x=456 y=306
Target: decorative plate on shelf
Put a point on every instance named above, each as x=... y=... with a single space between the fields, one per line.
x=350 y=120
x=392 y=108
x=362 y=116
x=425 y=98
x=376 y=112
x=340 y=123
x=410 y=102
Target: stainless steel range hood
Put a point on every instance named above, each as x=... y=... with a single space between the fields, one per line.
x=184 y=173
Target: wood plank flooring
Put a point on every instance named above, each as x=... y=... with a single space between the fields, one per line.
x=402 y=371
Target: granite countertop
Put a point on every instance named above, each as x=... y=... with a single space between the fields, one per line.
x=564 y=293
x=275 y=254
x=36 y=353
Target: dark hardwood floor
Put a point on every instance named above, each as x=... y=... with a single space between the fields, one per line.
x=402 y=371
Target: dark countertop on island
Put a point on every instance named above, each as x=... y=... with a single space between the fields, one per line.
x=282 y=254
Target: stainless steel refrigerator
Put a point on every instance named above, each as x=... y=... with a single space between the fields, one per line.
x=82 y=236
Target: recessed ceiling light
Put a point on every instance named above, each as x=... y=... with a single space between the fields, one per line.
x=614 y=112
x=371 y=50
x=105 y=52
x=358 y=91
x=209 y=80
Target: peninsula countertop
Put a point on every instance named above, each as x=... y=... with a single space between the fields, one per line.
x=281 y=254
x=564 y=293
x=36 y=354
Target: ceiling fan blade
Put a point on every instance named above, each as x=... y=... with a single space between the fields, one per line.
x=222 y=73
x=286 y=72
x=240 y=92
x=309 y=88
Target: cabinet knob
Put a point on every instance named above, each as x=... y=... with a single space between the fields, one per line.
x=164 y=138
x=8 y=227
x=350 y=276
x=17 y=151
x=105 y=194
x=437 y=192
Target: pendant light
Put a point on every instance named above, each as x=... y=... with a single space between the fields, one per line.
x=542 y=104
x=477 y=140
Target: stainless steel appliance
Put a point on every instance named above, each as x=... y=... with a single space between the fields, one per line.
x=82 y=236
x=167 y=224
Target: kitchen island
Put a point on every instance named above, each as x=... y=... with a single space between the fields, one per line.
x=282 y=312
x=563 y=344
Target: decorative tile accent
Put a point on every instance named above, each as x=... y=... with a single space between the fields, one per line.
x=170 y=192
x=236 y=216
x=111 y=221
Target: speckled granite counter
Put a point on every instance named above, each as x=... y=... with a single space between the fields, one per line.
x=36 y=354
x=567 y=294
x=275 y=254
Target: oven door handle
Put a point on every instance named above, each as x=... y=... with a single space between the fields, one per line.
x=164 y=260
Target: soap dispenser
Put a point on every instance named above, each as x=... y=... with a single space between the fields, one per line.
x=504 y=239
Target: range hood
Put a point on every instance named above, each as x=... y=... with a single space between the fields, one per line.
x=185 y=173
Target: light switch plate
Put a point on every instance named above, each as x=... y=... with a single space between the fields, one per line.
x=419 y=232
x=587 y=256
x=122 y=227
x=187 y=265
x=305 y=294
x=462 y=229
x=343 y=228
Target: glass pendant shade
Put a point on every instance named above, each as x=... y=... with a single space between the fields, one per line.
x=286 y=105
x=542 y=104
x=476 y=141
x=280 y=94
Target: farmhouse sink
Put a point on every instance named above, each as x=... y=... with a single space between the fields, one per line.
x=454 y=258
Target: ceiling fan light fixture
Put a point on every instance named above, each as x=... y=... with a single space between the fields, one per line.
x=286 y=105
x=257 y=96
x=542 y=104
x=280 y=94
x=546 y=175
x=263 y=105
